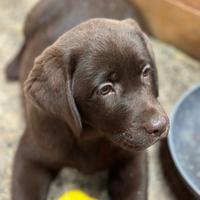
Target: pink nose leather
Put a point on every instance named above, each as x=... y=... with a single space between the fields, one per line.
x=156 y=125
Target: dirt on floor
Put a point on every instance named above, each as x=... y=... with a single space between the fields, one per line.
x=177 y=73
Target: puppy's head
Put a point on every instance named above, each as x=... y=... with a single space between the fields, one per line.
x=101 y=75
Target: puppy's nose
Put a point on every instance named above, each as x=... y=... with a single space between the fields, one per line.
x=156 y=125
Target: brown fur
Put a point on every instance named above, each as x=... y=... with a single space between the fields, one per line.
x=74 y=120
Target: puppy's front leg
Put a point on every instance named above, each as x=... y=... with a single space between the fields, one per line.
x=30 y=180
x=128 y=179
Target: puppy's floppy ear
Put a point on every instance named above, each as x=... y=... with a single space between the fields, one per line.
x=133 y=23
x=49 y=86
x=148 y=45
x=151 y=52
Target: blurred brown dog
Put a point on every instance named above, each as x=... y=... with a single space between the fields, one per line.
x=90 y=100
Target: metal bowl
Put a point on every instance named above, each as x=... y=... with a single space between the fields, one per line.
x=184 y=138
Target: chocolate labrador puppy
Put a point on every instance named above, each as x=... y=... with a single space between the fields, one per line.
x=90 y=103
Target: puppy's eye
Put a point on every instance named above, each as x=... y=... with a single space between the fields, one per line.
x=146 y=70
x=105 y=89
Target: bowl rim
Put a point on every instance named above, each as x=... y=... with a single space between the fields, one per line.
x=185 y=95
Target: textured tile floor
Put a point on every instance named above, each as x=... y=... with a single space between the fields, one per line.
x=177 y=72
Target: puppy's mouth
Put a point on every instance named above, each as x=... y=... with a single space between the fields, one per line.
x=133 y=141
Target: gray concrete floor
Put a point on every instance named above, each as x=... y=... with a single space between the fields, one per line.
x=177 y=73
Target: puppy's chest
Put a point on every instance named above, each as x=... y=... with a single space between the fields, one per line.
x=93 y=158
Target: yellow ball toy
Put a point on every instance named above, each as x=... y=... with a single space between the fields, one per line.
x=75 y=195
